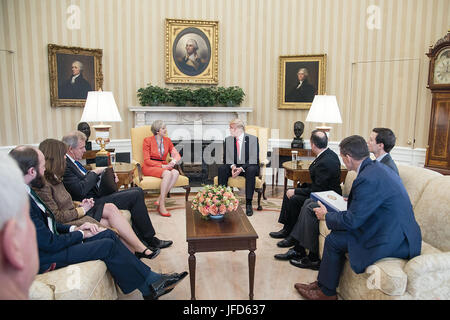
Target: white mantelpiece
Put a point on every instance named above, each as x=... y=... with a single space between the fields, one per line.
x=187 y=123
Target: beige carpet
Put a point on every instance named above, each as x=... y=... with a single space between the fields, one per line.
x=224 y=275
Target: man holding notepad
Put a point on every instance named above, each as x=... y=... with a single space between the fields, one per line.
x=378 y=223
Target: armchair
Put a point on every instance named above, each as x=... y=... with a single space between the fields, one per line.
x=150 y=183
x=260 y=182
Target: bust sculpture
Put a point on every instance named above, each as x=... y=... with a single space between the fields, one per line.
x=298 y=131
x=84 y=127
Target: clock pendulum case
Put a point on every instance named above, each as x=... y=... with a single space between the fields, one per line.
x=438 y=149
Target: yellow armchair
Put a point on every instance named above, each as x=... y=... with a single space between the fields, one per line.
x=260 y=180
x=150 y=183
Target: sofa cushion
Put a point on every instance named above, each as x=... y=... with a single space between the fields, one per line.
x=432 y=213
x=415 y=179
x=41 y=291
x=79 y=282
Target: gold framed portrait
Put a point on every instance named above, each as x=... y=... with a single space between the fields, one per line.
x=300 y=79
x=192 y=51
x=73 y=73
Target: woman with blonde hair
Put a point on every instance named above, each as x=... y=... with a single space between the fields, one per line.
x=59 y=201
x=156 y=149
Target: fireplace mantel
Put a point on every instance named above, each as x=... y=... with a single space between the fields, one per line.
x=187 y=123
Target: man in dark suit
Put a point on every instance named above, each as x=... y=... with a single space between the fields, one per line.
x=240 y=158
x=62 y=245
x=379 y=222
x=306 y=230
x=76 y=87
x=303 y=91
x=82 y=184
x=325 y=172
x=380 y=143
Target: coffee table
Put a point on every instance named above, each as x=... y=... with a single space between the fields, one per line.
x=234 y=232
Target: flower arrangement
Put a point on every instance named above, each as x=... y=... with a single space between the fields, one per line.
x=214 y=200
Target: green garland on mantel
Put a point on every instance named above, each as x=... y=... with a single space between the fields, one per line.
x=203 y=97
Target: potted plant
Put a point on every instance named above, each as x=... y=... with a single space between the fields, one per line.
x=213 y=202
x=204 y=97
x=153 y=95
x=180 y=96
x=230 y=96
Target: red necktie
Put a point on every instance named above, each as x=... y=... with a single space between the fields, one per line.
x=238 y=148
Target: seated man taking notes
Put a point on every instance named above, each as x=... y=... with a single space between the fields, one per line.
x=378 y=223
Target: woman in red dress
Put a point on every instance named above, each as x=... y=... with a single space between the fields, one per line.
x=156 y=149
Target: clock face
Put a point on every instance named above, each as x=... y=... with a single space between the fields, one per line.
x=442 y=68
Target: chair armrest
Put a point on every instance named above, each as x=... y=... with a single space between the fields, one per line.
x=429 y=276
x=138 y=168
x=178 y=167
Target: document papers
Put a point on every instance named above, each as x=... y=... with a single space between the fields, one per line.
x=331 y=200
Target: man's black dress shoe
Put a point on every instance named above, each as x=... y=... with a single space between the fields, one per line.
x=291 y=254
x=164 y=285
x=152 y=255
x=279 y=234
x=286 y=243
x=305 y=263
x=248 y=210
x=161 y=244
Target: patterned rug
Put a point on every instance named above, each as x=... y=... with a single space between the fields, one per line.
x=224 y=275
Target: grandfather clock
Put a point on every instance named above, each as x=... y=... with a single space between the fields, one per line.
x=438 y=149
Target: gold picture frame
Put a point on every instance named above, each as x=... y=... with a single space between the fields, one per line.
x=192 y=51
x=292 y=95
x=73 y=72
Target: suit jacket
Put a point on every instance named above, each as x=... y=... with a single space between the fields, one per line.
x=379 y=217
x=305 y=93
x=59 y=201
x=387 y=160
x=250 y=151
x=325 y=172
x=78 y=185
x=153 y=160
x=77 y=90
x=49 y=243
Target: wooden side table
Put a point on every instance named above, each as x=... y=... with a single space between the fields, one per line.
x=235 y=232
x=125 y=173
x=285 y=154
x=300 y=173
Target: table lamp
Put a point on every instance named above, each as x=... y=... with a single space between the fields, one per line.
x=101 y=107
x=324 y=109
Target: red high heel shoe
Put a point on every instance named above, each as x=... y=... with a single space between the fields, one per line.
x=164 y=214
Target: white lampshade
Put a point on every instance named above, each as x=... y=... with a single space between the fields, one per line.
x=324 y=109
x=100 y=107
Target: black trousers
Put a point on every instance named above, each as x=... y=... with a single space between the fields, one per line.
x=290 y=210
x=133 y=200
x=128 y=271
x=306 y=230
x=251 y=171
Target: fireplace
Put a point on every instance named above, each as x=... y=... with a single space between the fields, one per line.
x=200 y=159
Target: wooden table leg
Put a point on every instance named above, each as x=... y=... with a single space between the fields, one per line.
x=285 y=184
x=191 y=261
x=251 y=271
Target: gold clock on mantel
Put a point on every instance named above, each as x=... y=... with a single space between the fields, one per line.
x=438 y=149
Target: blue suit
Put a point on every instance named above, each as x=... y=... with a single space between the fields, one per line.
x=66 y=248
x=379 y=223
